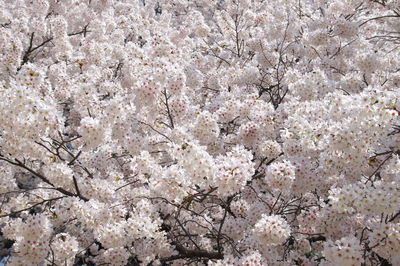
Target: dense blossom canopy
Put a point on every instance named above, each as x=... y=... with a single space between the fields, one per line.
x=203 y=132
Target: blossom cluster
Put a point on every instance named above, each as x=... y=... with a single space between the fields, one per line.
x=271 y=230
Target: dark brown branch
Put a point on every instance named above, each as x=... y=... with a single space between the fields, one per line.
x=193 y=254
x=171 y=120
x=75 y=158
x=78 y=192
x=222 y=224
x=394 y=217
x=380 y=17
x=379 y=167
x=118 y=69
x=150 y=126
x=127 y=184
x=31 y=49
x=41 y=177
x=30 y=207
x=83 y=31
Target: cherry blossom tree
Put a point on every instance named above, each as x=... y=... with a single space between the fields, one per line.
x=175 y=132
